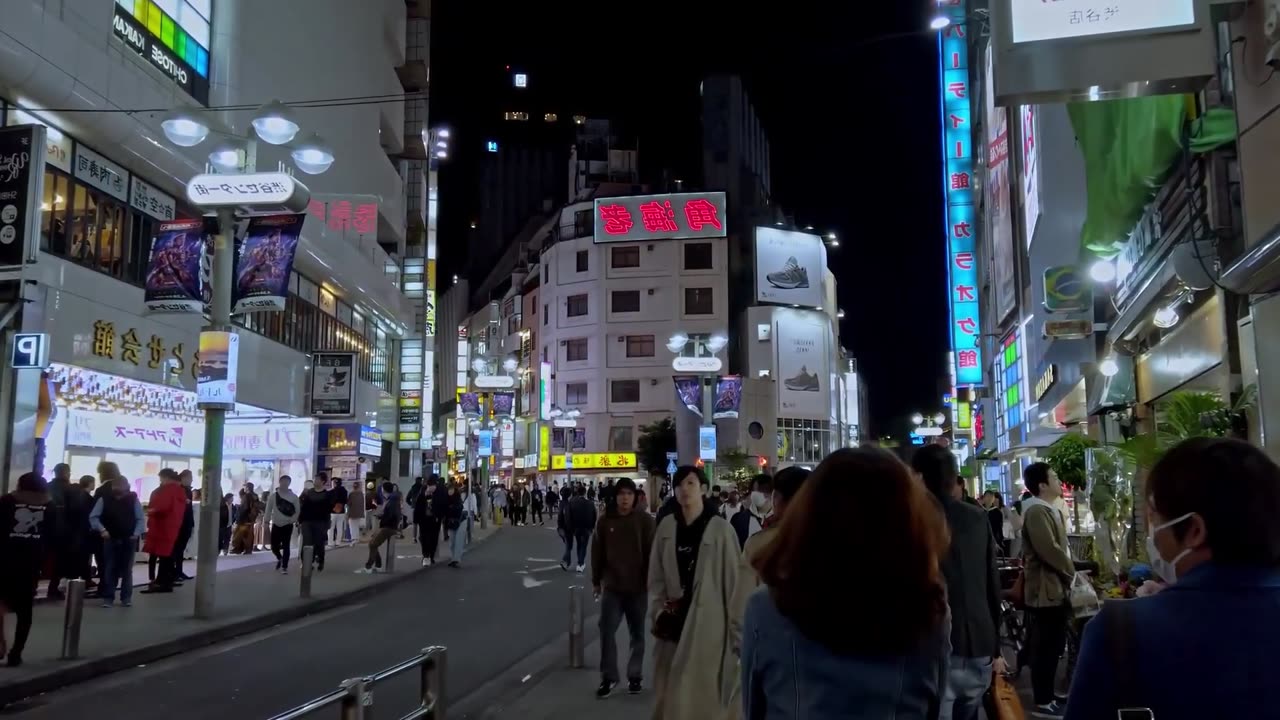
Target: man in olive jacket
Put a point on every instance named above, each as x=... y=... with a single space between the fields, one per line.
x=1047 y=574
x=973 y=587
x=620 y=575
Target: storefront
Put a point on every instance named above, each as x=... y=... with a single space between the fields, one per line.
x=144 y=427
x=348 y=451
x=593 y=468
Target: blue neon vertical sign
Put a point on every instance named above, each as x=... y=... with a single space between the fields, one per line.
x=958 y=184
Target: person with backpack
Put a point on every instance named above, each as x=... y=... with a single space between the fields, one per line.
x=117 y=516
x=282 y=509
x=388 y=525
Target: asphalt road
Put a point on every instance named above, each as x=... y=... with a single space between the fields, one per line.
x=505 y=603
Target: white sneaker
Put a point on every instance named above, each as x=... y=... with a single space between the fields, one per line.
x=365 y=571
x=425 y=562
x=582 y=568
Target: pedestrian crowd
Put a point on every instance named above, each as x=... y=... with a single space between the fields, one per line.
x=869 y=588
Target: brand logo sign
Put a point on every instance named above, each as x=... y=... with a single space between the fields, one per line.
x=1067 y=290
x=1067 y=329
x=257 y=190
x=140 y=40
x=130 y=433
x=30 y=351
x=270 y=440
x=1046 y=381
x=697 y=364
x=1057 y=19
x=22 y=154
x=494 y=381
x=961 y=228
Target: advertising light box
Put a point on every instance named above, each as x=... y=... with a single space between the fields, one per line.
x=660 y=217
x=1034 y=21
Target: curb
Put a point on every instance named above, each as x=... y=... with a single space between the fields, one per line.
x=82 y=671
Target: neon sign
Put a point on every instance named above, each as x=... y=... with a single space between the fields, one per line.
x=957 y=147
x=344 y=214
x=660 y=217
x=176 y=46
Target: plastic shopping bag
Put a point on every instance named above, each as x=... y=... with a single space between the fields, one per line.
x=1084 y=599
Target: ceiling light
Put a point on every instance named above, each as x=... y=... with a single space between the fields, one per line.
x=1109 y=367
x=184 y=129
x=274 y=123
x=1103 y=271
x=1166 y=317
x=312 y=156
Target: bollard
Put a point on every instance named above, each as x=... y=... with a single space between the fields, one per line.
x=434 y=670
x=357 y=699
x=577 y=651
x=308 y=552
x=72 y=619
x=391 y=554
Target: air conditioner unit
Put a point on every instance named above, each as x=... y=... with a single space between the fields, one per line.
x=650 y=291
x=653 y=381
x=622 y=338
x=649 y=247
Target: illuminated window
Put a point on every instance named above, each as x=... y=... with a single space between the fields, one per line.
x=515 y=115
x=522 y=80
x=551 y=117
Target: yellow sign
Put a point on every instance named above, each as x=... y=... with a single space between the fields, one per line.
x=130 y=346
x=544 y=449
x=964 y=415
x=338 y=440
x=429 y=311
x=597 y=461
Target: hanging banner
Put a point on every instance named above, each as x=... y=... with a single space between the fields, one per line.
x=728 y=397
x=174 y=281
x=333 y=384
x=689 y=392
x=470 y=404
x=579 y=439
x=504 y=404
x=264 y=261
x=22 y=158
x=1067 y=290
x=218 y=368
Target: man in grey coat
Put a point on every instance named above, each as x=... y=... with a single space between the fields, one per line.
x=973 y=587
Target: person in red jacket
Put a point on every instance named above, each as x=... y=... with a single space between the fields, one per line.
x=165 y=511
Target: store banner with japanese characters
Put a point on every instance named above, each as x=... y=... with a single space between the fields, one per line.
x=102 y=174
x=961 y=219
x=264 y=262
x=176 y=271
x=333 y=382
x=660 y=217
x=151 y=200
x=998 y=198
x=136 y=433
x=22 y=153
x=1036 y=21
x=58 y=145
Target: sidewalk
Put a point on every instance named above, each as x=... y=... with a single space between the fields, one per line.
x=249 y=598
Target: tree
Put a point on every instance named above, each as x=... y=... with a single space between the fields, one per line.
x=655 y=441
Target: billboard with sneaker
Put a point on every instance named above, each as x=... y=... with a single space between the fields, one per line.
x=801 y=339
x=789 y=267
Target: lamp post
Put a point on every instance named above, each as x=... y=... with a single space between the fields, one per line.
x=567 y=419
x=931 y=426
x=273 y=123
x=705 y=367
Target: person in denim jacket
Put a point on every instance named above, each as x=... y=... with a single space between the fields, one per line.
x=876 y=647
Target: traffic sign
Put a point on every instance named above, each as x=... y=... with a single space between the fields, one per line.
x=568 y=461
x=671 y=467
x=30 y=351
x=673 y=456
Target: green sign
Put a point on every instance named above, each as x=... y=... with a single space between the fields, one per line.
x=1067 y=290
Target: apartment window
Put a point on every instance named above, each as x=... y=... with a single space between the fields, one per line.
x=515 y=115
x=576 y=350
x=550 y=117
x=582 y=261
x=577 y=305
x=639 y=346
x=583 y=224
x=624 y=257
x=546 y=273
x=534 y=306
x=697 y=256
x=625 y=301
x=620 y=440
x=575 y=394
x=546 y=316
x=625 y=391
x=697 y=301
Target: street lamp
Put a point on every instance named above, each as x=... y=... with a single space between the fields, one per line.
x=232 y=154
x=1109 y=367
x=1103 y=271
x=704 y=366
x=941 y=22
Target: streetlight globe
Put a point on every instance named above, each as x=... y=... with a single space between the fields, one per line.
x=480 y=365
x=274 y=123
x=1166 y=317
x=939 y=418
x=917 y=418
x=443 y=132
x=312 y=156
x=510 y=364
x=1103 y=271
x=717 y=342
x=226 y=159
x=184 y=130
x=677 y=342
x=1109 y=367
x=940 y=22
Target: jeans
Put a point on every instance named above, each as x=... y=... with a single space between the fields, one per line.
x=117 y=555
x=458 y=541
x=224 y=538
x=613 y=607
x=429 y=537
x=967 y=681
x=380 y=536
x=353 y=525
x=280 y=537
x=583 y=537
x=1046 y=638
x=338 y=523
x=316 y=535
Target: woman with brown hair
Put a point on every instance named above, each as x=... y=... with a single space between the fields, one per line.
x=811 y=650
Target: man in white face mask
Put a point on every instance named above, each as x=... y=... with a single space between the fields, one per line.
x=759 y=504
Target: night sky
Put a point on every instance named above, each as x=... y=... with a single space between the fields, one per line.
x=847 y=93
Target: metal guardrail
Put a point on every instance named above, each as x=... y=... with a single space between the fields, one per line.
x=354 y=697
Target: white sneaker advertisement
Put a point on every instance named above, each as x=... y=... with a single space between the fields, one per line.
x=804 y=364
x=789 y=267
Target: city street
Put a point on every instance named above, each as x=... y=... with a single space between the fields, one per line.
x=505 y=603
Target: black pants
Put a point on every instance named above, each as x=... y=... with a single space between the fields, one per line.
x=224 y=538
x=315 y=534
x=613 y=607
x=69 y=562
x=583 y=537
x=537 y=514
x=180 y=549
x=20 y=606
x=280 y=537
x=162 y=571
x=1046 y=637
x=429 y=537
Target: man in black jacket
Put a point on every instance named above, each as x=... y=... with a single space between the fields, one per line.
x=578 y=519
x=973 y=587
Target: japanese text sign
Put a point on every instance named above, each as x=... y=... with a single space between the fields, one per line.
x=341 y=215
x=597 y=461
x=101 y=173
x=660 y=217
x=961 y=224
x=1056 y=19
x=273 y=190
x=146 y=197
x=276 y=439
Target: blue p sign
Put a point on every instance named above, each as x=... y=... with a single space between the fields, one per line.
x=30 y=351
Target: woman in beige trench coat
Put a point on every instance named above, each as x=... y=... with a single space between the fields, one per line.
x=694 y=677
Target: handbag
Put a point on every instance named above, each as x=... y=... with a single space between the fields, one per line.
x=669 y=623
x=1001 y=700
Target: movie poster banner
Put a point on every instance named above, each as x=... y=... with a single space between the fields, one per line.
x=728 y=397
x=504 y=404
x=175 y=273
x=689 y=392
x=264 y=262
x=333 y=377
